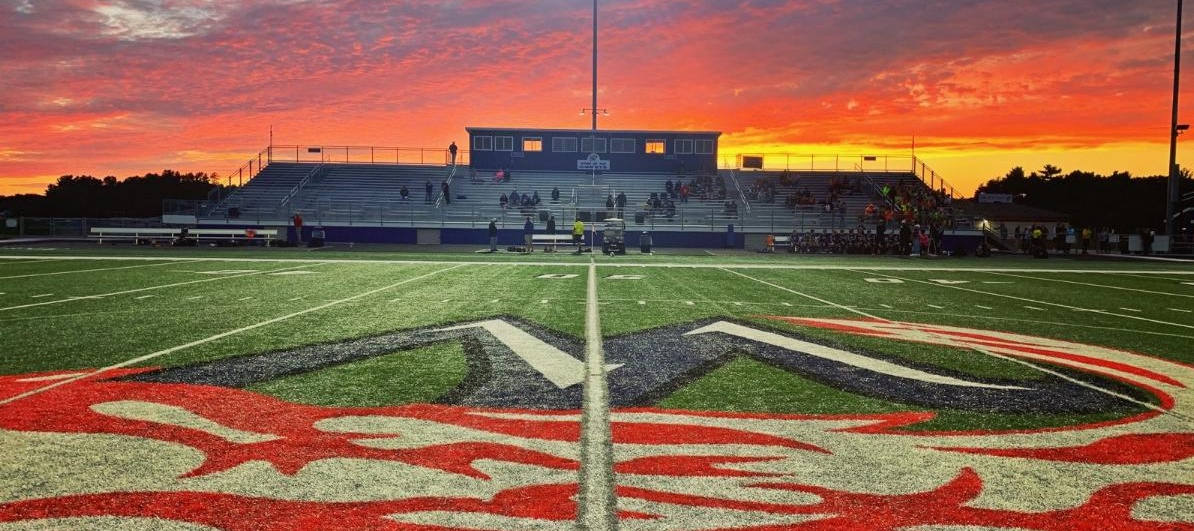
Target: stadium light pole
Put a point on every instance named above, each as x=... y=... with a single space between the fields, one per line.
x=1172 y=197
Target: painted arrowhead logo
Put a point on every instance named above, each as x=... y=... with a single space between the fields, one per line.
x=187 y=448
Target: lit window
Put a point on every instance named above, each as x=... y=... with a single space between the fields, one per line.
x=656 y=146
x=621 y=145
x=482 y=143
x=592 y=145
x=561 y=144
x=532 y=143
x=503 y=143
x=683 y=147
x=704 y=147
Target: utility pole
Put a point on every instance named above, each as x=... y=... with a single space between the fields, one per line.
x=1175 y=177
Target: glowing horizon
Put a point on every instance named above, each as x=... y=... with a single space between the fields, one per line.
x=125 y=87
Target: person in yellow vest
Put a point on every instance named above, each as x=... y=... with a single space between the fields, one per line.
x=578 y=233
x=1086 y=234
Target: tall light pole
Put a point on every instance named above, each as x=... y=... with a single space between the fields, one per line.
x=1175 y=177
x=595 y=64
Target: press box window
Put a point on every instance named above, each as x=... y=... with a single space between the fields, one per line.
x=563 y=145
x=532 y=143
x=503 y=143
x=592 y=145
x=704 y=147
x=621 y=145
x=482 y=143
x=656 y=146
x=684 y=147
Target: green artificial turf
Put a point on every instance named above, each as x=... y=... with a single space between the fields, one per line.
x=414 y=376
x=141 y=308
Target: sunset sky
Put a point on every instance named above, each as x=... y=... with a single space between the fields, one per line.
x=123 y=87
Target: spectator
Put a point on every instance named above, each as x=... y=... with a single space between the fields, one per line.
x=452 y=153
x=404 y=193
x=472 y=176
x=499 y=176
x=551 y=225
x=683 y=193
x=503 y=200
x=535 y=200
x=555 y=194
x=528 y=235
x=669 y=186
x=493 y=235
x=1086 y=236
x=447 y=192
x=620 y=202
x=427 y=189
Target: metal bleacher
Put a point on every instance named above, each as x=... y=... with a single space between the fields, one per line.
x=369 y=194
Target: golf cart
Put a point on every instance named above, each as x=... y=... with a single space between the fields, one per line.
x=614 y=237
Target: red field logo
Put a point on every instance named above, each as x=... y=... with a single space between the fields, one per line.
x=110 y=453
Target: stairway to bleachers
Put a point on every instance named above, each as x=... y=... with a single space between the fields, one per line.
x=262 y=194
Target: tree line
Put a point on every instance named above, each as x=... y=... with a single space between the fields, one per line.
x=1117 y=201
x=139 y=196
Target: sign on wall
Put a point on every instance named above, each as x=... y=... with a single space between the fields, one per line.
x=592 y=163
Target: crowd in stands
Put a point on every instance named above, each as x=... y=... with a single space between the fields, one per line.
x=910 y=240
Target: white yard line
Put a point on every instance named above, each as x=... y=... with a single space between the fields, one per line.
x=162 y=286
x=1156 y=277
x=1094 y=285
x=209 y=339
x=1019 y=361
x=805 y=295
x=596 y=499
x=1035 y=321
x=73 y=271
x=1179 y=310
x=1023 y=299
x=981 y=307
x=935 y=306
x=19 y=262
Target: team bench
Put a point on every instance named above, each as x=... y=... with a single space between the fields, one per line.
x=156 y=234
x=550 y=241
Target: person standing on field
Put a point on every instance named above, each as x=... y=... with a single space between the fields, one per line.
x=528 y=234
x=298 y=227
x=578 y=234
x=493 y=235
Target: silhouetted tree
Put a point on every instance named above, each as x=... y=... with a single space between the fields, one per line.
x=1118 y=201
x=87 y=196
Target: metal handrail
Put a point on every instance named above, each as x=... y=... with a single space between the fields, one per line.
x=451 y=175
x=298 y=188
x=738 y=186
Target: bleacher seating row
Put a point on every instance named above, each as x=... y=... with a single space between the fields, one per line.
x=370 y=194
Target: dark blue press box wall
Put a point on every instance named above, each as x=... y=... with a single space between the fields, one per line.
x=548 y=160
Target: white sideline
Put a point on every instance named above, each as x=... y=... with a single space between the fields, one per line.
x=1093 y=285
x=628 y=264
x=1034 y=301
x=596 y=499
x=81 y=270
x=138 y=290
x=209 y=339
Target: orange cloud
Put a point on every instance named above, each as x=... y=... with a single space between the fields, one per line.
x=123 y=87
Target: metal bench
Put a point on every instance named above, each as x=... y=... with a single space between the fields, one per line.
x=172 y=234
x=550 y=241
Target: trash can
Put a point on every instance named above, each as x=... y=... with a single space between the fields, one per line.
x=644 y=243
x=730 y=242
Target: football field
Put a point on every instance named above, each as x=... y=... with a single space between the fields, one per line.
x=242 y=390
